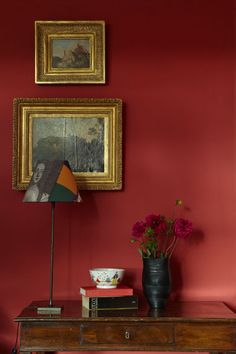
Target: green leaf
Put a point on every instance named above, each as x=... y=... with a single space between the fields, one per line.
x=140 y=251
x=149 y=232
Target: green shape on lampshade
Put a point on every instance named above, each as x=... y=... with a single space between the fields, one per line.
x=61 y=194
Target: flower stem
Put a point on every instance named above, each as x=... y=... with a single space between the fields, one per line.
x=171 y=246
x=165 y=243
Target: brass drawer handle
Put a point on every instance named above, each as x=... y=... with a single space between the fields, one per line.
x=127 y=335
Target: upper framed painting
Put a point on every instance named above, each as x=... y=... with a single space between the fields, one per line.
x=87 y=132
x=70 y=52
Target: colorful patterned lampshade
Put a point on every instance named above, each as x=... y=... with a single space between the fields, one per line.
x=52 y=181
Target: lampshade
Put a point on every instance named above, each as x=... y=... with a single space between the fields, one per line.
x=52 y=181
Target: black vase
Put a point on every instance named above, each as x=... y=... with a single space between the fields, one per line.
x=156 y=281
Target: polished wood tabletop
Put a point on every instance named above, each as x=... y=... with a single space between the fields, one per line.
x=73 y=310
x=181 y=326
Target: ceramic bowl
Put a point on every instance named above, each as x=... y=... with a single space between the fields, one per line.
x=106 y=277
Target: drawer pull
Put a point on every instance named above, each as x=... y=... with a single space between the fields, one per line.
x=127 y=335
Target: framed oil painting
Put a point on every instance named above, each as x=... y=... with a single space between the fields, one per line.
x=86 y=132
x=70 y=52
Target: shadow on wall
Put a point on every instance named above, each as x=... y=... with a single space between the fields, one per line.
x=130 y=276
x=3 y=348
x=196 y=237
x=176 y=279
x=176 y=274
x=5 y=329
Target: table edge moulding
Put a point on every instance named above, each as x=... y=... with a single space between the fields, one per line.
x=205 y=326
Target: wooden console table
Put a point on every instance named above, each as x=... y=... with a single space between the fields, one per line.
x=184 y=326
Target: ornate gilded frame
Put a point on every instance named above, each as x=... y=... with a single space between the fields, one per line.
x=69 y=52
x=85 y=130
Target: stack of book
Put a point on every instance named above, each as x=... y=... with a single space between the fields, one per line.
x=120 y=298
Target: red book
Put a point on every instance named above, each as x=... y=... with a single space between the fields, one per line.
x=121 y=290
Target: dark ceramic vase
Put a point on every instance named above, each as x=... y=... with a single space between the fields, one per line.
x=156 y=281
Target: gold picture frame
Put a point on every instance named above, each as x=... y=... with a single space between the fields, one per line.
x=69 y=52
x=85 y=131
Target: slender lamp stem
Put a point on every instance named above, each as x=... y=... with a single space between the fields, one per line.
x=51 y=308
x=52 y=255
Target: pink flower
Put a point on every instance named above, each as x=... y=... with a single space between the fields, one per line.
x=157 y=223
x=159 y=229
x=138 y=229
x=152 y=220
x=182 y=228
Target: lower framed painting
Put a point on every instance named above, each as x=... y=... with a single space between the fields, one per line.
x=86 y=132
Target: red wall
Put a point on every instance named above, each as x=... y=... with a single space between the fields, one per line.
x=172 y=63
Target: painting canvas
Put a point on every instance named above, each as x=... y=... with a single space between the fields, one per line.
x=85 y=132
x=80 y=141
x=71 y=53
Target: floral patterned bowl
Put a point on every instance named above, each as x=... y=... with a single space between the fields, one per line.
x=106 y=277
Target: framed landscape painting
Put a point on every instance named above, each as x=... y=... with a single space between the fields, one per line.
x=70 y=52
x=86 y=132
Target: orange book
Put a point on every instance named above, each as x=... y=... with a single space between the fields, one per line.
x=121 y=290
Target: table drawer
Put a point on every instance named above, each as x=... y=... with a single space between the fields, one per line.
x=127 y=334
x=50 y=336
x=201 y=336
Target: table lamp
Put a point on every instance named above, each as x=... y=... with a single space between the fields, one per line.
x=52 y=181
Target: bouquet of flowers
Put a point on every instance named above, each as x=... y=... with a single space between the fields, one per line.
x=157 y=235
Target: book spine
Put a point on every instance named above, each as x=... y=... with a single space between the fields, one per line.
x=106 y=292
x=108 y=312
x=117 y=302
